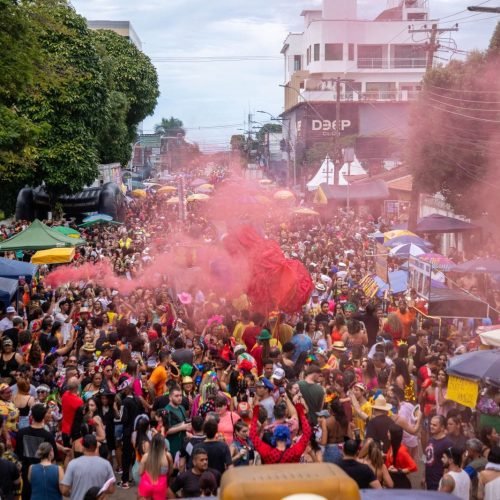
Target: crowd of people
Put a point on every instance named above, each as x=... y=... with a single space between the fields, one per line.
x=166 y=388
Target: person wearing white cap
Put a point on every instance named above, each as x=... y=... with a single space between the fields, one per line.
x=7 y=322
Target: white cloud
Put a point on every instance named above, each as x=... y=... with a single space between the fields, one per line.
x=218 y=93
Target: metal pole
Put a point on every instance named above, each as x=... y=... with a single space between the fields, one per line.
x=182 y=207
x=337 y=167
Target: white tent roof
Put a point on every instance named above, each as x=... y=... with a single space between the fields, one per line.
x=325 y=173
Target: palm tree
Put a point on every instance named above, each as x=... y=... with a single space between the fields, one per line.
x=170 y=127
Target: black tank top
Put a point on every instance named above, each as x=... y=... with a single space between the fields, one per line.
x=8 y=366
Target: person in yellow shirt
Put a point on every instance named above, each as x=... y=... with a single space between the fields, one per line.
x=241 y=325
x=362 y=409
x=157 y=383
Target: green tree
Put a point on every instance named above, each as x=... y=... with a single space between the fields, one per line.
x=22 y=67
x=133 y=84
x=70 y=108
x=170 y=127
x=454 y=132
x=272 y=128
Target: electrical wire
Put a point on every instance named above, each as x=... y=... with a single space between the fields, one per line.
x=487 y=120
x=210 y=59
x=467 y=91
x=464 y=108
x=462 y=11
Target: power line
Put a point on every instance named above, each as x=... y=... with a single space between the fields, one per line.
x=468 y=91
x=462 y=11
x=463 y=108
x=460 y=99
x=487 y=120
x=209 y=59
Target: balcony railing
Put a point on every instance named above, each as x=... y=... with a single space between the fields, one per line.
x=410 y=62
x=373 y=63
x=370 y=96
x=395 y=63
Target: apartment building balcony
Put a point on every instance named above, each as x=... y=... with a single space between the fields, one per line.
x=361 y=96
x=399 y=63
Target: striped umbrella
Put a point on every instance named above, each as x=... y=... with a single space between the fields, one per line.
x=437 y=260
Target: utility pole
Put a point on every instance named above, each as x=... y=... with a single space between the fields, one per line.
x=338 y=160
x=492 y=10
x=433 y=45
x=431 y=48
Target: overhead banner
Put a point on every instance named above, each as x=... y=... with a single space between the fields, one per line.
x=462 y=391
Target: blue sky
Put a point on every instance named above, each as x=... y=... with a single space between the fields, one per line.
x=206 y=94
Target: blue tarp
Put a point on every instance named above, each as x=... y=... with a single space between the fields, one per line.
x=13 y=269
x=398 y=281
x=8 y=289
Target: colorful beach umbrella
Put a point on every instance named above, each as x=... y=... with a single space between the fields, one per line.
x=437 y=261
x=406 y=250
x=407 y=239
x=305 y=211
x=139 y=193
x=198 y=197
x=167 y=190
x=389 y=235
x=68 y=231
x=283 y=195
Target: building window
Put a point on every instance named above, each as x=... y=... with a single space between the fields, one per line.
x=297 y=63
x=371 y=56
x=334 y=51
x=409 y=56
x=316 y=51
x=351 y=52
x=308 y=55
x=381 y=91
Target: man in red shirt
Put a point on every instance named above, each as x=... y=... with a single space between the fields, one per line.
x=70 y=402
x=251 y=333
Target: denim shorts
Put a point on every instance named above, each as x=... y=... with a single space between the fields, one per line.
x=118 y=432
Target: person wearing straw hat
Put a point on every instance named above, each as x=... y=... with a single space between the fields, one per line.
x=379 y=424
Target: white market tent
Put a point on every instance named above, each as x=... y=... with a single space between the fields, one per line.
x=325 y=174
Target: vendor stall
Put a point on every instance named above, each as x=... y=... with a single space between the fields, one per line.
x=8 y=290
x=53 y=256
x=16 y=269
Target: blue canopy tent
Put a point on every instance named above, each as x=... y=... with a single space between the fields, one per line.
x=8 y=290
x=14 y=269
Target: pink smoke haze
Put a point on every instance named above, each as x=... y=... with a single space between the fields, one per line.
x=228 y=267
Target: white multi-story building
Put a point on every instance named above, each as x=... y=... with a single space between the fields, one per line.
x=381 y=60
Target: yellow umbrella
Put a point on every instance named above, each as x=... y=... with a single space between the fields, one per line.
x=198 y=197
x=166 y=189
x=173 y=200
x=305 y=211
x=265 y=182
x=284 y=195
x=138 y=193
x=206 y=186
x=263 y=200
x=396 y=233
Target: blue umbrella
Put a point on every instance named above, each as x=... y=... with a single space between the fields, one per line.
x=404 y=240
x=98 y=217
x=405 y=250
x=477 y=365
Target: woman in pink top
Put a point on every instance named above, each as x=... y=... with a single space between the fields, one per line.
x=227 y=418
